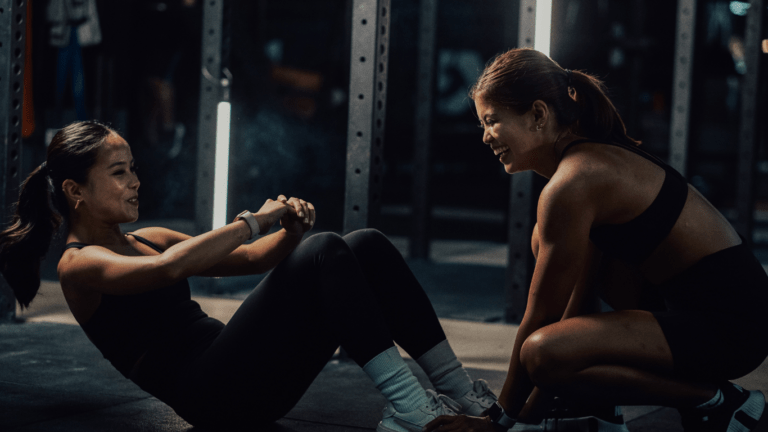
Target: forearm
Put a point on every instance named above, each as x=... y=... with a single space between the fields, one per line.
x=186 y=258
x=518 y=386
x=268 y=251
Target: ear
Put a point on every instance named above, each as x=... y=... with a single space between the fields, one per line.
x=72 y=190
x=540 y=111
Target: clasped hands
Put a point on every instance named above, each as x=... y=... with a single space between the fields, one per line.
x=296 y=216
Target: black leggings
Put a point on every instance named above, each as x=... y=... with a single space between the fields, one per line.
x=356 y=292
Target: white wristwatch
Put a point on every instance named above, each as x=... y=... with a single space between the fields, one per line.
x=253 y=224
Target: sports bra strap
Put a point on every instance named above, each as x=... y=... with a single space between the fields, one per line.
x=146 y=242
x=79 y=245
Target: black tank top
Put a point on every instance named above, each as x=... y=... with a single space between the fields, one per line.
x=635 y=240
x=124 y=327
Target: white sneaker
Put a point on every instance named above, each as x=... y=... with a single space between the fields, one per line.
x=477 y=400
x=415 y=420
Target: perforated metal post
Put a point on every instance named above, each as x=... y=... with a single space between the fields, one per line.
x=681 y=92
x=13 y=17
x=522 y=204
x=211 y=94
x=748 y=136
x=367 y=109
x=423 y=128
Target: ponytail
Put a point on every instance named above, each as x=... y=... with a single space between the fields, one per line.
x=25 y=242
x=598 y=117
x=42 y=205
x=519 y=77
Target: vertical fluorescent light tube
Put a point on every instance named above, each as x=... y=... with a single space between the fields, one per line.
x=543 y=26
x=221 y=170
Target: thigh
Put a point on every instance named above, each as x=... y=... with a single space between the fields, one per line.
x=623 y=287
x=270 y=351
x=630 y=338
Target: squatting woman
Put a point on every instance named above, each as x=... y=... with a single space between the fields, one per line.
x=617 y=222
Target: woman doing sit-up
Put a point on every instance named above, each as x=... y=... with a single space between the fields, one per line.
x=129 y=292
x=613 y=220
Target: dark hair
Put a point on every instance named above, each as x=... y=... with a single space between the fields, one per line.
x=25 y=242
x=518 y=77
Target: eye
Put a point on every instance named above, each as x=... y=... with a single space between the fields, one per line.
x=118 y=172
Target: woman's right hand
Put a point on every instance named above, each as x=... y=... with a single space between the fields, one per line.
x=270 y=213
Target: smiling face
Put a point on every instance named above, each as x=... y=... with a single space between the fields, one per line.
x=111 y=194
x=510 y=135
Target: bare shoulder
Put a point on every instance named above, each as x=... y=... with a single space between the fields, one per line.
x=163 y=237
x=582 y=178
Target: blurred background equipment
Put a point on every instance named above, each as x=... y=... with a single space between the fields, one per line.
x=687 y=81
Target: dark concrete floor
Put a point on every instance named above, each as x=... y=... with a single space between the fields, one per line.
x=53 y=379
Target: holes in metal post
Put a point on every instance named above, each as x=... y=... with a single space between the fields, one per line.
x=2 y=10
x=359 y=133
x=20 y=3
x=381 y=86
x=17 y=52
x=16 y=87
x=16 y=69
x=378 y=123
x=518 y=225
x=375 y=179
x=357 y=170
x=378 y=142
x=18 y=35
x=375 y=197
x=383 y=30
x=355 y=208
x=15 y=121
x=14 y=155
x=14 y=173
x=14 y=138
x=362 y=59
x=383 y=11
x=520 y=194
x=211 y=32
x=379 y=105
x=517 y=255
x=376 y=160
x=364 y=22
x=19 y=19
x=528 y=41
x=381 y=67
x=382 y=48
x=361 y=96
x=16 y=104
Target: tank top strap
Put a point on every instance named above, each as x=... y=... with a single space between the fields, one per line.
x=146 y=242
x=75 y=245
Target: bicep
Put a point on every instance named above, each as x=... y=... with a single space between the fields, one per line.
x=564 y=252
x=98 y=269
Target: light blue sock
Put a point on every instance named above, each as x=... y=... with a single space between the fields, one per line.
x=712 y=403
x=395 y=381
x=445 y=371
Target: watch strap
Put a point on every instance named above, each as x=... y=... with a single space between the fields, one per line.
x=499 y=417
x=253 y=224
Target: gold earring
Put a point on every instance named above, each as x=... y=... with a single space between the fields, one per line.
x=538 y=127
x=77 y=204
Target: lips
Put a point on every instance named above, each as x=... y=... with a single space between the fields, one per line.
x=134 y=200
x=501 y=151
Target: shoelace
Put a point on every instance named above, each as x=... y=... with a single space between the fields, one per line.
x=441 y=404
x=481 y=390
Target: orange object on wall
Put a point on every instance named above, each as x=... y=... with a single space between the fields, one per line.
x=28 y=106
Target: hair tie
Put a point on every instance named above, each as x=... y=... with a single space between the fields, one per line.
x=570 y=79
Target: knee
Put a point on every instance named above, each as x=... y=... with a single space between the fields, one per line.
x=325 y=241
x=366 y=238
x=542 y=361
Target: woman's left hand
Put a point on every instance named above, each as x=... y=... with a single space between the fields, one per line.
x=460 y=423
x=304 y=218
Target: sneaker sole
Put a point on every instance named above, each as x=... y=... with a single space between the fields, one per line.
x=750 y=413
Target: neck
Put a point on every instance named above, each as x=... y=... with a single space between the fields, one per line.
x=86 y=230
x=551 y=153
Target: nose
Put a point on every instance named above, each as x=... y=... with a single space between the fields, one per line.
x=487 y=138
x=135 y=183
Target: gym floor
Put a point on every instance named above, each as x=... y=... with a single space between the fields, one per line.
x=53 y=379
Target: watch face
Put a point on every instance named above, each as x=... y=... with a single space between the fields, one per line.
x=494 y=412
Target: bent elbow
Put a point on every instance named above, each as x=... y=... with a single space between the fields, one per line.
x=168 y=269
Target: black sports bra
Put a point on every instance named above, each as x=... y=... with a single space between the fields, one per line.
x=635 y=240
x=124 y=327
